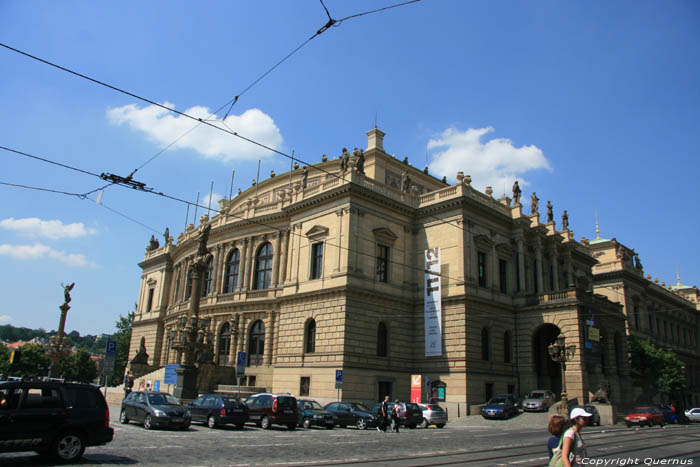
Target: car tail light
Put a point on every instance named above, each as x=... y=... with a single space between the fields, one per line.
x=222 y=412
x=274 y=406
x=107 y=417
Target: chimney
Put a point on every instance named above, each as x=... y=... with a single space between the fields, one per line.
x=375 y=139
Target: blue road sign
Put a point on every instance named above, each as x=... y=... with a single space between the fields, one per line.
x=339 y=376
x=241 y=359
x=427 y=380
x=156 y=385
x=170 y=375
x=111 y=349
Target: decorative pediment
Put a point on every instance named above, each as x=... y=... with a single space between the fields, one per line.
x=483 y=241
x=384 y=235
x=151 y=282
x=317 y=231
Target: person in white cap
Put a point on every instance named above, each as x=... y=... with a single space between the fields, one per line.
x=572 y=448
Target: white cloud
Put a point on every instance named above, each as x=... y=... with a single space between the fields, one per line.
x=164 y=127
x=35 y=227
x=496 y=163
x=5 y=319
x=215 y=197
x=40 y=251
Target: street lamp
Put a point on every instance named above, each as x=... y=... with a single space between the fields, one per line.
x=561 y=353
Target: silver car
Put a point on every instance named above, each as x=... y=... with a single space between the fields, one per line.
x=692 y=414
x=433 y=414
x=538 y=400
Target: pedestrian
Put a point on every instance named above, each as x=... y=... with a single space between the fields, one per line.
x=128 y=383
x=557 y=425
x=571 y=449
x=384 y=414
x=395 y=414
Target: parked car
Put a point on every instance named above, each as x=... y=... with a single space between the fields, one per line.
x=647 y=415
x=267 y=409
x=669 y=415
x=591 y=409
x=55 y=419
x=155 y=410
x=538 y=400
x=410 y=414
x=312 y=414
x=353 y=413
x=693 y=415
x=502 y=406
x=433 y=414
x=216 y=410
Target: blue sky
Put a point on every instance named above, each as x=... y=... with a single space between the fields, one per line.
x=593 y=105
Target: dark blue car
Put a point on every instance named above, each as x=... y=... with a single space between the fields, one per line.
x=503 y=406
x=216 y=410
x=312 y=414
x=669 y=415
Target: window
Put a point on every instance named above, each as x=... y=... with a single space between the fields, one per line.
x=188 y=285
x=263 y=267
x=485 y=344
x=511 y=389
x=551 y=276
x=207 y=278
x=481 y=261
x=149 y=302
x=503 y=275
x=310 y=342
x=316 y=260
x=382 y=340
x=382 y=263
x=488 y=391
x=506 y=348
x=177 y=287
x=304 y=385
x=535 y=269
x=256 y=343
x=384 y=388
x=231 y=273
x=224 y=343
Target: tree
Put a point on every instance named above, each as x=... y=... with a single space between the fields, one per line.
x=4 y=360
x=659 y=370
x=79 y=367
x=123 y=339
x=30 y=362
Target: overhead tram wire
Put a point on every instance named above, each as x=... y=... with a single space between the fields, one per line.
x=28 y=187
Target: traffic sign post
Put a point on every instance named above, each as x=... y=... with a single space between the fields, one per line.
x=240 y=370
x=339 y=381
x=110 y=358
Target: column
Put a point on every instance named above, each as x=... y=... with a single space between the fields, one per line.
x=242 y=265
x=276 y=260
x=353 y=240
x=283 y=256
x=521 y=263
x=251 y=264
x=217 y=272
x=538 y=264
x=570 y=271
x=339 y=240
x=290 y=252
x=495 y=270
x=554 y=257
x=269 y=327
x=235 y=337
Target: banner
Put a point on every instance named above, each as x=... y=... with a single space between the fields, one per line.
x=416 y=389
x=433 y=304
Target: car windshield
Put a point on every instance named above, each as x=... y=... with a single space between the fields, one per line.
x=641 y=410
x=310 y=405
x=360 y=407
x=162 y=399
x=412 y=406
x=497 y=401
x=286 y=401
x=230 y=400
x=536 y=395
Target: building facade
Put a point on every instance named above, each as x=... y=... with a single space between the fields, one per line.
x=323 y=269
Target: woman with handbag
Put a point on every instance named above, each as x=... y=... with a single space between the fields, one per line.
x=571 y=449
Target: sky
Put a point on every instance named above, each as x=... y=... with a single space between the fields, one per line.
x=592 y=105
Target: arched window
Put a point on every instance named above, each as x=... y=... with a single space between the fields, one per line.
x=263 y=267
x=231 y=273
x=382 y=340
x=207 y=278
x=485 y=354
x=256 y=343
x=310 y=341
x=224 y=343
x=506 y=347
x=188 y=285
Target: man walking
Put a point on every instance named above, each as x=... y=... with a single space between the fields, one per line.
x=384 y=414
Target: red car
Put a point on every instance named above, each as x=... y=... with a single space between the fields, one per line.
x=646 y=415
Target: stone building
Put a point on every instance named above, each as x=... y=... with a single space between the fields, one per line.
x=323 y=268
x=668 y=315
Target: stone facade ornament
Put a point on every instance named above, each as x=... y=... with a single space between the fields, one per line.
x=344 y=160
x=141 y=357
x=153 y=244
x=324 y=158
x=467 y=180
x=405 y=182
x=534 y=204
x=360 y=163
x=516 y=193
x=565 y=220
x=489 y=191
x=167 y=236
x=550 y=212
x=304 y=176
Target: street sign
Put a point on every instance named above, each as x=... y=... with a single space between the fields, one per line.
x=111 y=349
x=108 y=368
x=170 y=375
x=240 y=364
x=427 y=381
x=110 y=357
x=339 y=379
x=156 y=386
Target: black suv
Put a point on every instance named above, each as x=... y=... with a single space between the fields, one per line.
x=55 y=419
x=273 y=409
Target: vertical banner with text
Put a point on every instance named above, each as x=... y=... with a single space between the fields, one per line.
x=433 y=304
x=416 y=389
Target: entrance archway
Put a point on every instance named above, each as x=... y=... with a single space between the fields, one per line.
x=548 y=371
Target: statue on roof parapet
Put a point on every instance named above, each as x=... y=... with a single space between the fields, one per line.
x=534 y=204
x=550 y=212
x=360 y=163
x=153 y=244
x=344 y=160
x=516 y=193
x=565 y=220
x=405 y=182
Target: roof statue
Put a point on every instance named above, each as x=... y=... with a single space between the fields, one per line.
x=534 y=204
x=516 y=193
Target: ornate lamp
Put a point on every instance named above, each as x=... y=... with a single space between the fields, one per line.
x=561 y=353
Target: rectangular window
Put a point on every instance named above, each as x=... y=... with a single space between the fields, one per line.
x=488 y=391
x=316 y=260
x=149 y=303
x=382 y=263
x=503 y=275
x=384 y=388
x=481 y=261
x=304 y=385
x=551 y=277
x=534 y=270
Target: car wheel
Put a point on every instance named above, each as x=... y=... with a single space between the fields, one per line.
x=68 y=447
x=361 y=424
x=292 y=426
x=240 y=425
x=123 y=418
x=412 y=426
x=440 y=425
x=211 y=421
x=425 y=423
x=629 y=425
x=185 y=427
x=148 y=422
x=306 y=423
x=330 y=427
x=265 y=423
